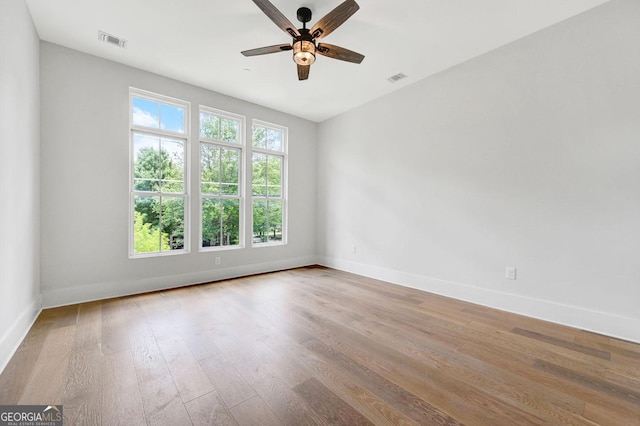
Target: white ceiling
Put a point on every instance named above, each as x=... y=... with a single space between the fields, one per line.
x=199 y=42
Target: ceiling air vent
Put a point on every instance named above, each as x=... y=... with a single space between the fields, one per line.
x=108 y=38
x=396 y=78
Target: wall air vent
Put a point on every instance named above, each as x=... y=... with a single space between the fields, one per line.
x=108 y=38
x=396 y=78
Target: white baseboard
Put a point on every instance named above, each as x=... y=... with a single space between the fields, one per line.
x=11 y=340
x=574 y=316
x=107 y=290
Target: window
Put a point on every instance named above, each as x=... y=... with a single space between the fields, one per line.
x=221 y=159
x=159 y=191
x=268 y=183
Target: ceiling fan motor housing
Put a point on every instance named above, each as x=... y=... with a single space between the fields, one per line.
x=304 y=15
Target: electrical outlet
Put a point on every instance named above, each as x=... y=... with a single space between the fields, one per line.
x=510 y=273
x=354 y=249
x=217 y=260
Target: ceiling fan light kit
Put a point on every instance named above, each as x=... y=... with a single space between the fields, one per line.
x=304 y=44
x=304 y=52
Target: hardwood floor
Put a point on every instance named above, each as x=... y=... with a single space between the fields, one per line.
x=317 y=346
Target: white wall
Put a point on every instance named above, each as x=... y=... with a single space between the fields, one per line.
x=19 y=176
x=85 y=201
x=528 y=156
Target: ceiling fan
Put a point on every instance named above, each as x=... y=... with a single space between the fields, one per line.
x=304 y=44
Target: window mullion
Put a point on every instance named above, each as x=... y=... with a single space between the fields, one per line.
x=266 y=179
x=220 y=187
x=268 y=221
x=219 y=171
x=160 y=223
x=221 y=222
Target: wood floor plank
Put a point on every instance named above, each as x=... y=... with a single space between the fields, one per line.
x=284 y=348
x=228 y=382
x=359 y=393
x=412 y=406
x=558 y=391
x=190 y=379
x=159 y=394
x=49 y=375
x=82 y=391
x=63 y=316
x=513 y=390
x=521 y=346
x=275 y=392
x=255 y=412
x=328 y=405
x=619 y=392
x=16 y=375
x=201 y=343
x=448 y=395
x=273 y=341
x=121 y=403
x=621 y=354
x=525 y=352
x=352 y=391
x=209 y=410
x=89 y=325
x=563 y=343
x=607 y=415
x=317 y=346
x=113 y=327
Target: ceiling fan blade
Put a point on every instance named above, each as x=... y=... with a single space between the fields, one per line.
x=334 y=19
x=303 y=72
x=277 y=17
x=267 y=49
x=337 y=52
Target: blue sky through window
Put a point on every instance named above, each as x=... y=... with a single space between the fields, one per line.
x=158 y=115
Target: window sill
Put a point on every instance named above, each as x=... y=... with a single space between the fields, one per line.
x=263 y=245
x=158 y=254
x=219 y=249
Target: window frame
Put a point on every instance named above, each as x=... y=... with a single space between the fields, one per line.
x=240 y=145
x=284 y=179
x=160 y=133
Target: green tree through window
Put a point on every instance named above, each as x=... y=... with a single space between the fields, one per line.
x=220 y=178
x=268 y=174
x=159 y=191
